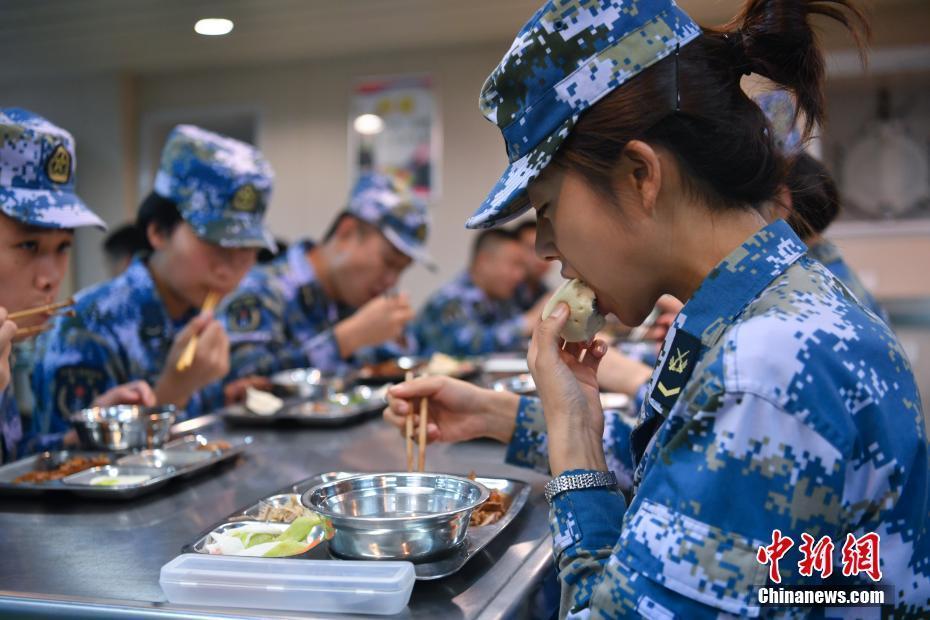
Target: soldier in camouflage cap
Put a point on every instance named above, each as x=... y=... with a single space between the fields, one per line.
x=221 y=187
x=778 y=404
x=329 y=305
x=38 y=212
x=204 y=223
x=477 y=312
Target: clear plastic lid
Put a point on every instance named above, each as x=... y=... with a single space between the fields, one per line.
x=288 y=584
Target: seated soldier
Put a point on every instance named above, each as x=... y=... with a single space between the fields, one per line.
x=328 y=305
x=39 y=211
x=477 y=313
x=204 y=223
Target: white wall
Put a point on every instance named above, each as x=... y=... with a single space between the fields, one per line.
x=303 y=123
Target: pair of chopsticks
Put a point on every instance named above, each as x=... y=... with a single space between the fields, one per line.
x=48 y=310
x=421 y=440
x=187 y=356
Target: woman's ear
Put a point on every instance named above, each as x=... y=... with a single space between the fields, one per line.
x=640 y=175
x=156 y=237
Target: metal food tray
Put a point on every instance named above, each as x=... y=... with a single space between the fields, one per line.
x=476 y=539
x=75 y=485
x=308 y=413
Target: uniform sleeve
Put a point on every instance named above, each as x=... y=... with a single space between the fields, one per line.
x=452 y=327
x=76 y=365
x=260 y=341
x=528 y=446
x=711 y=495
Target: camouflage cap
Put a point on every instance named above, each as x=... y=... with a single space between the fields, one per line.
x=400 y=215
x=37 y=170
x=221 y=186
x=564 y=60
x=780 y=109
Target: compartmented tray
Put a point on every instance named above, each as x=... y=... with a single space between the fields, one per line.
x=516 y=491
x=335 y=409
x=122 y=477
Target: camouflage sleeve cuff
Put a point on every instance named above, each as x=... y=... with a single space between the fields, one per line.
x=586 y=520
x=529 y=444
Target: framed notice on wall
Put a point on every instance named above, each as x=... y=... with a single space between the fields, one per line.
x=393 y=130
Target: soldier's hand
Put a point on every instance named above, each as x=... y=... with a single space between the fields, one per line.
x=382 y=319
x=235 y=391
x=7 y=333
x=132 y=393
x=458 y=411
x=210 y=363
x=568 y=388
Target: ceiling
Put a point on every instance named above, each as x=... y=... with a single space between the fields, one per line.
x=40 y=38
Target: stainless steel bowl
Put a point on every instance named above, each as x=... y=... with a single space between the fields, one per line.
x=396 y=516
x=123 y=427
x=308 y=383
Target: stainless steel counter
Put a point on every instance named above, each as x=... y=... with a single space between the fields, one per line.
x=79 y=558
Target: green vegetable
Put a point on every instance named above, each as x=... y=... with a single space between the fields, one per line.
x=286 y=548
x=250 y=539
x=300 y=528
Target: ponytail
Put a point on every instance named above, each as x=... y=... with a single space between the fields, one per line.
x=691 y=103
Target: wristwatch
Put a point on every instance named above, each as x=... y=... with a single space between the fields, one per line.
x=573 y=482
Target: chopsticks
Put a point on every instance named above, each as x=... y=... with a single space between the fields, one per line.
x=46 y=309
x=421 y=438
x=187 y=356
x=409 y=428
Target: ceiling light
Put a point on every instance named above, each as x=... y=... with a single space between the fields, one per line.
x=368 y=124
x=213 y=27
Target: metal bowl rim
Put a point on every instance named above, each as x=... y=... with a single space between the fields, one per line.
x=335 y=516
x=161 y=412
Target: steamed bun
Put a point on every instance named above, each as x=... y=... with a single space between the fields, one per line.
x=584 y=321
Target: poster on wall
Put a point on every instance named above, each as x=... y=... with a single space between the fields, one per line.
x=392 y=130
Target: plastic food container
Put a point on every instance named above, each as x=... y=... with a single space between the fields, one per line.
x=330 y=586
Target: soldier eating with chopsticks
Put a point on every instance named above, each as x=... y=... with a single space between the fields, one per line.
x=39 y=211
x=150 y=333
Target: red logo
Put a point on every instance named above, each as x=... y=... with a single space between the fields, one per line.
x=860 y=555
x=773 y=553
x=817 y=556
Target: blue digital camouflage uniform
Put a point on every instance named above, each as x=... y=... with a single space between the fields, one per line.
x=528 y=294
x=830 y=256
x=460 y=320
x=778 y=401
x=801 y=414
x=37 y=177
x=11 y=425
x=280 y=317
x=529 y=443
x=121 y=331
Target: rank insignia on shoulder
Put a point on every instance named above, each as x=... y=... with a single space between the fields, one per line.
x=677 y=369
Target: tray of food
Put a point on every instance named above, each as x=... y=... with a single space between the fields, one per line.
x=394 y=371
x=107 y=475
x=332 y=409
x=501 y=501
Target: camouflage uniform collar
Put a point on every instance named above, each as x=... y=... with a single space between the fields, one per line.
x=145 y=293
x=825 y=252
x=738 y=279
x=300 y=266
